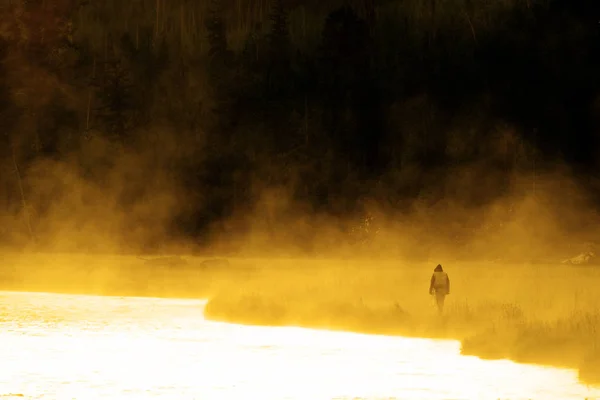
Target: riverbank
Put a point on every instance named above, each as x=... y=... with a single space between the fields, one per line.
x=569 y=342
x=538 y=314
x=543 y=314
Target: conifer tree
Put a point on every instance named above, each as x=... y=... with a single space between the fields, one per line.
x=114 y=94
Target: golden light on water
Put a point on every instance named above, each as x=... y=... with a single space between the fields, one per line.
x=86 y=347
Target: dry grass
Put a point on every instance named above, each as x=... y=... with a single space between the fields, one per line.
x=546 y=314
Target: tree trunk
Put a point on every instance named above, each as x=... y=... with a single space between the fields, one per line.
x=22 y=191
x=157 y=18
x=370 y=14
x=306 y=134
x=432 y=27
x=473 y=33
x=90 y=93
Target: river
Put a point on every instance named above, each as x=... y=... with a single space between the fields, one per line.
x=89 y=347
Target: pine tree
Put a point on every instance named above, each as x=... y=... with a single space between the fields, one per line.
x=217 y=33
x=114 y=93
x=278 y=40
x=279 y=37
x=7 y=109
x=220 y=57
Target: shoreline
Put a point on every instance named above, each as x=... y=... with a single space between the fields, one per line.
x=544 y=314
x=477 y=339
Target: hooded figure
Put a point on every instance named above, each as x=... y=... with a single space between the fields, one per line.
x=440 y=286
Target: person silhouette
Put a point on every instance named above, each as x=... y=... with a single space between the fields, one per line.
x=439 y=286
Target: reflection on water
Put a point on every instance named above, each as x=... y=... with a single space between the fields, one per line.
x=87 y=347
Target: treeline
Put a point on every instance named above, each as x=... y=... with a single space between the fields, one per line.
x=335 y=101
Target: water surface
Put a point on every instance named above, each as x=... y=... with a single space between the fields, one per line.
x=89 y=347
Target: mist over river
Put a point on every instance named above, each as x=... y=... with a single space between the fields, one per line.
x=55 y=346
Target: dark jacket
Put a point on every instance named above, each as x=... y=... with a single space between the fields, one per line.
x=440 y=282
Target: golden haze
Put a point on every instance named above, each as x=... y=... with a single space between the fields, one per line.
x=289 y=265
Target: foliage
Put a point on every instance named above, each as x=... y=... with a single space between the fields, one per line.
x=334 y=101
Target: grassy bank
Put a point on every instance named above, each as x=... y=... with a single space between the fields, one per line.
x=545 y=314
x=534 y=314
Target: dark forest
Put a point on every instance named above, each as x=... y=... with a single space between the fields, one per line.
x=195 y=120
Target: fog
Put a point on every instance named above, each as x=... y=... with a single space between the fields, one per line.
x=104 y=198
x=116 y=199
x=211 y=132
x=98 y=217
x=546 y=217
x=113 y=198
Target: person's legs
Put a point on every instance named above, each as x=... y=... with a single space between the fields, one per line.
x=439 y=298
